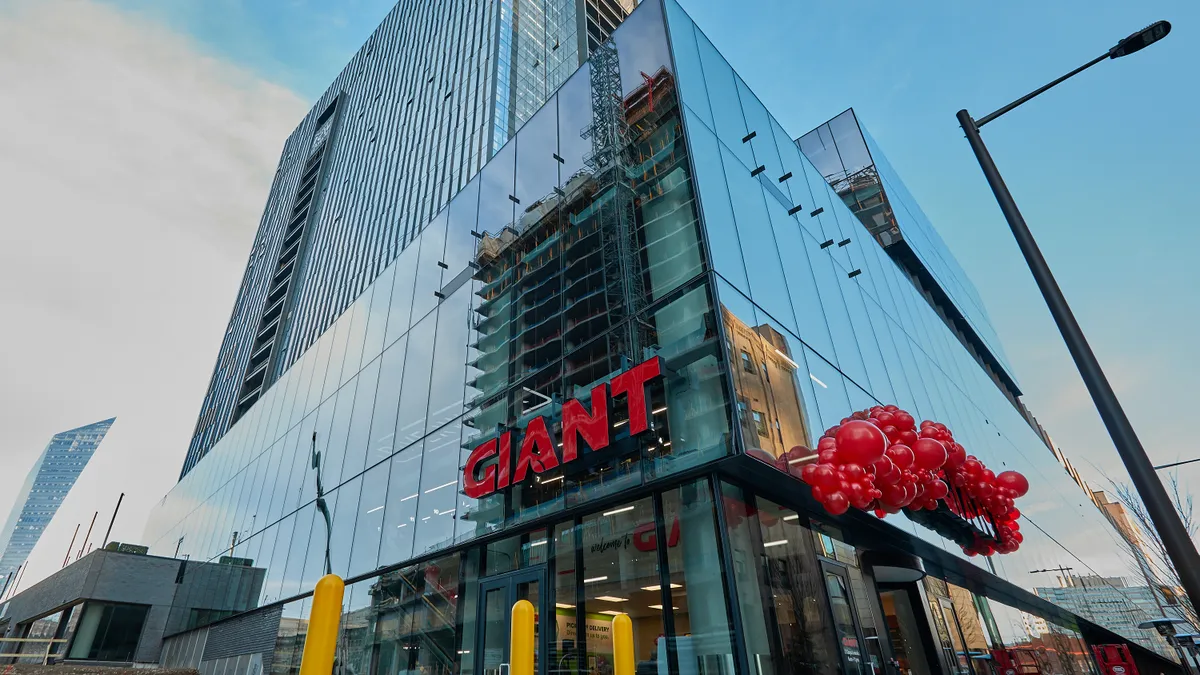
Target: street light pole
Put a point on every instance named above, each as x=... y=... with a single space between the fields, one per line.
x=1176 y=540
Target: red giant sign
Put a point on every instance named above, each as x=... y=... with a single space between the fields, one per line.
x=537 y=451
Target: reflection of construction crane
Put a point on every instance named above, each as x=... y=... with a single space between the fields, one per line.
x=609 y=133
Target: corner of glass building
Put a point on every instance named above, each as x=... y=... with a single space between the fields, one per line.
x=589 y=379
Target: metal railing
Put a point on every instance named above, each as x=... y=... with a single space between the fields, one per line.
x=37 y=655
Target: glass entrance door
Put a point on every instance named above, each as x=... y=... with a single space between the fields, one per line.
x=956 y=649
x=855 y=657
x=498 y=595
x=904 y=629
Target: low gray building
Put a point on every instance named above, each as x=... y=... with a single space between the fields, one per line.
x=115 y=606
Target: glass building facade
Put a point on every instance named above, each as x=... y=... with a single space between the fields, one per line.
x=563 y=391
x=430 y=97
x=38 y=498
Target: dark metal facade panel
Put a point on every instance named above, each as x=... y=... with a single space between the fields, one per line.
x=252 y=633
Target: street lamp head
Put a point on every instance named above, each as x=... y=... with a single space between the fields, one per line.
x=1141 y=39
x=1164 y=625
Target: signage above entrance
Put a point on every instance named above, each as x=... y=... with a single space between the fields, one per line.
x=538 y=452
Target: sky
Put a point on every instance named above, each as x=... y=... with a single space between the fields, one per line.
x=142 y=136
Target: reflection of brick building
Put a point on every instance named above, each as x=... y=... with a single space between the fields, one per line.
x=1055 y=653
x=1119 y=517
x=770 y=408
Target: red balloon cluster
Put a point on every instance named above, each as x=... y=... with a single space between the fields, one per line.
x=881 y=460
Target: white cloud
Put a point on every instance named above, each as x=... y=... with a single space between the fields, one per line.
x=133 y=171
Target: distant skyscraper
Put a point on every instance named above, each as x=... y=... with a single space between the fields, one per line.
x=432 y=95
x=51 y=478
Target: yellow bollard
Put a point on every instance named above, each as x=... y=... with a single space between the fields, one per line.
x=622 y=631
x=320 y=644
x=521 y=647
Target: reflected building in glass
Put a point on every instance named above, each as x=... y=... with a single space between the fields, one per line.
x=589 y=379
x=850 y=160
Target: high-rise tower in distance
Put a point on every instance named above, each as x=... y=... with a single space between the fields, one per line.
x=51 y=478
x=436 y=90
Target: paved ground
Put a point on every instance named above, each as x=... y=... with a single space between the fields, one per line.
x=23 y=669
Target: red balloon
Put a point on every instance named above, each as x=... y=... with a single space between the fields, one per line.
x=825 y=476
x=939 y=490
x=827 y=456
x=956 y=454
x=860 y=442
x=836 y=503
x=908 y=437
x=1015 y=481
x=885 y=418
x=885 y=471
x=929 y=454
x=987 y=476
x=819 y=493
x=972 y=467
x=904 y=421
x=853 y=472
x=928 y=432
x=1013 y=514
x=893 y=496
x=860 y=495
x=807 y=473
x=901 y=456
x=891 y=408
x=892 y=433
x=826 y=443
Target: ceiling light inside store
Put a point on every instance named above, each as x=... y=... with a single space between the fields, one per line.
x=777 y=542
x=656 y=587
x=620 y=510
x=611 y=598
x=659 y=607
x=595 y=579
